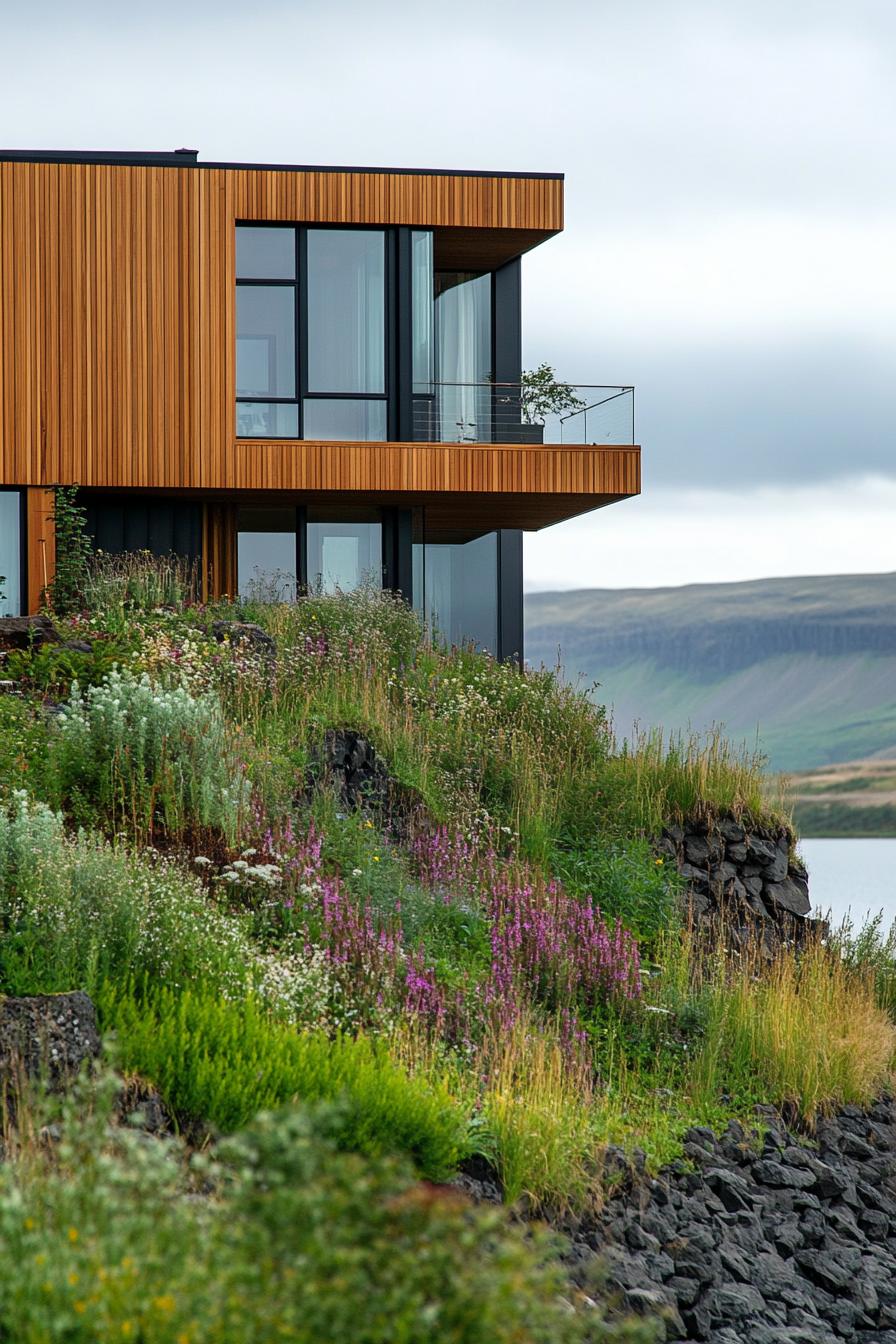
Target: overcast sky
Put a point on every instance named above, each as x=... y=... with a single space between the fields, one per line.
x=730 y=226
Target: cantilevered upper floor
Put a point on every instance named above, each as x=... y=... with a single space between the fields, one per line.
x=177 y=326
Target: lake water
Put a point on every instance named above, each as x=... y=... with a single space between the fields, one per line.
x=854 y=877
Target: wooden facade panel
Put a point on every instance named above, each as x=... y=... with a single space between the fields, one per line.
x=41 y=544
x=117 y=331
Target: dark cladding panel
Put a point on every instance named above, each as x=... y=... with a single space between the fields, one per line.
x=117 y=523
x=510 y=595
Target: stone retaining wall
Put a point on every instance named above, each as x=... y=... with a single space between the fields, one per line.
x=743 y=873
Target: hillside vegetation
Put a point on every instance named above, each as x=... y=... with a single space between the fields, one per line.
x=484 y=960
x=806 y=665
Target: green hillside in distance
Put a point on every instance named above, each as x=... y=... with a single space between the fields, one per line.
x=807 y=664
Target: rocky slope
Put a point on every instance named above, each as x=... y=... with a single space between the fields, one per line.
x=767 y=1239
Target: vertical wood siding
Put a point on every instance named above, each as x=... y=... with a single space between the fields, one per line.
x=117 y=307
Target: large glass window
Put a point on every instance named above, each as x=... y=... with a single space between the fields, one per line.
x=344 y=548
x=456 y=591
x=308 y=348
x=346 y=310
x=266 y=554
x=10 y=553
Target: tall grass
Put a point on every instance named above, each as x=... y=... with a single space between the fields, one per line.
x=662 y=777
x=807 y=1030
x=538 y=1111
x=119 y=585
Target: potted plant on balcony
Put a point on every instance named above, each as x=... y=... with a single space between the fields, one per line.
x=542 y=394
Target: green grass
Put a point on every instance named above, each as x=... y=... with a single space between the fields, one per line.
x=228 y=994
x=277 y=1235
x=220 y=1063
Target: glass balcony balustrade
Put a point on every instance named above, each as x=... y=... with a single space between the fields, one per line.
x=508 y=413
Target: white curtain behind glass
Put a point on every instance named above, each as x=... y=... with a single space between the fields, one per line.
x=463 y=321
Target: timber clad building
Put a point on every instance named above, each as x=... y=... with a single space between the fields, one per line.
x=294 y=376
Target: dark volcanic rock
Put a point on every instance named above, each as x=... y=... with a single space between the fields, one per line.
x=27 y=632
x=792 y=894
x=46 y=1034
x=743 y=885
x=245 y=633
x=796 y=1243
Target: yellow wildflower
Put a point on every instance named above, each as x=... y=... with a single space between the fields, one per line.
x=73 y=1234
x=163 y=1303
x=80 y=1307
x=72 y=1278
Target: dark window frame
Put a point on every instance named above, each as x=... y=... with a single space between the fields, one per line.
x=299 y=286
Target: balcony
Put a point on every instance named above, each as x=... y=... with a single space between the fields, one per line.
x=475 y=455
x=510 y=413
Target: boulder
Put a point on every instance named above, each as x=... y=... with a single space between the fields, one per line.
x=791 y=895
x=27 y=632
x=46 y=1035
x=247 y=634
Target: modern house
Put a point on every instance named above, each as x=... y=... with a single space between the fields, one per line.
x=292 y=375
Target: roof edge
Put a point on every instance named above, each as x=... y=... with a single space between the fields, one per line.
x=189 y=159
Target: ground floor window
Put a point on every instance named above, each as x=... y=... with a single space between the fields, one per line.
x=344 y=549
x=456 y=591
x=281 y=551
x=11 y=576
x=267 y=554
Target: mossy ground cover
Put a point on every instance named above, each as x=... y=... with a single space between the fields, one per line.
x=500 y=971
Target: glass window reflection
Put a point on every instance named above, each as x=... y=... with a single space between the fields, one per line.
x=456 y=591
x=265 y=341
x=346 y=310
x=265 y=253
x=10 y=552
x=266 y=554
x=345 y=549
x=351 y=421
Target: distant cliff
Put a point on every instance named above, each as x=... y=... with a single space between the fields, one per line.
x=808 y=663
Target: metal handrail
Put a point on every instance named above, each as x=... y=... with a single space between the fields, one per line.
x=496 y=412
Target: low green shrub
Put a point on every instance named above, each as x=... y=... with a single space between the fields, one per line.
x=222 y=1063
x=146 y=757
x=107 y=1238
x=23 y=746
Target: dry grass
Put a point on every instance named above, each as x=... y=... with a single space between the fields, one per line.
x=807 y=1030
x=538 y=1110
